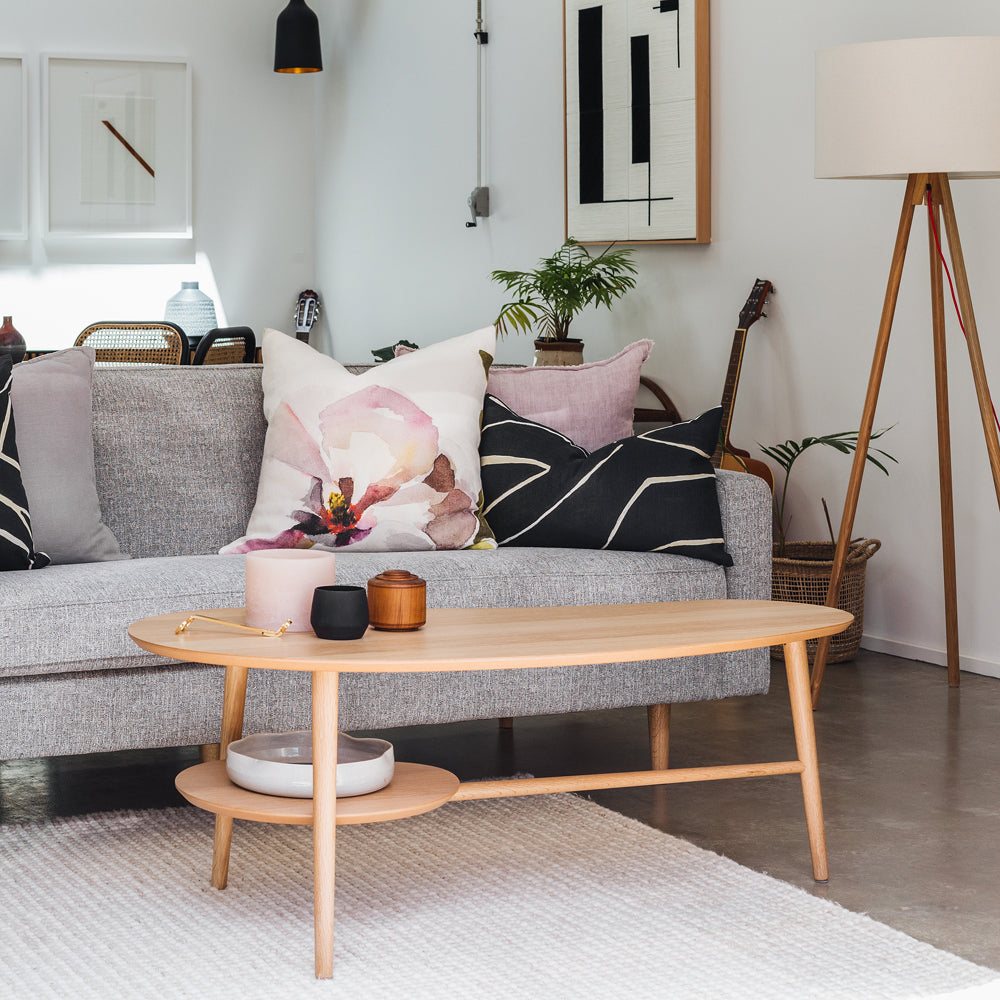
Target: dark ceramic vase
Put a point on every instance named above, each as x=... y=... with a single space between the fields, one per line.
x=11 y=342
x=339 y=612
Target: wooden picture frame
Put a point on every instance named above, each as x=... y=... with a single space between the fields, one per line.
x=14 y=162
x=637 y=123
x=116 y=147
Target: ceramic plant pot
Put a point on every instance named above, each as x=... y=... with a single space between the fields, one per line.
x=558 y=352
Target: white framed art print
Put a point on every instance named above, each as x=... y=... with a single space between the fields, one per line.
x=14 y=162
x=117 y=147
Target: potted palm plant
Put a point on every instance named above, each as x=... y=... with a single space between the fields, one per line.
x=547 y=298
x=801 y=571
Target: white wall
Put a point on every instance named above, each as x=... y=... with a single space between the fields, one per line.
x=355 y=182
x=253 y=178
x=396 y=160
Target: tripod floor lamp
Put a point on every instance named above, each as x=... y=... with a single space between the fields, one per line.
x=923 y=109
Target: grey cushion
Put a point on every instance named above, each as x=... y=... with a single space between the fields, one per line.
x=52 y=407
x=177 y=451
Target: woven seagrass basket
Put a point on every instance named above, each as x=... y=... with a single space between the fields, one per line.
x=802 y=575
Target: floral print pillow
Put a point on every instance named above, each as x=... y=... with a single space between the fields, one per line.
x=385 y=461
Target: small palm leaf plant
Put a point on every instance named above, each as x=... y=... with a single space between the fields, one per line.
x=562 y=286
x=785 y=455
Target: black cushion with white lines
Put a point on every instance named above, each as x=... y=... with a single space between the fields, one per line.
x=16 y=551
x=654 y=492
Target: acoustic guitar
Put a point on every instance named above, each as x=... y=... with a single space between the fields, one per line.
x=306 y=314
x=727 y=455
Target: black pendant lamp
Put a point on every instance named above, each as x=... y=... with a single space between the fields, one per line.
x=296 y=41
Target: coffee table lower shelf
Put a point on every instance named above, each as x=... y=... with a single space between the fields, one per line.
x=414 y=789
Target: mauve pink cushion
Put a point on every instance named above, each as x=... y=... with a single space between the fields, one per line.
x=591 y=404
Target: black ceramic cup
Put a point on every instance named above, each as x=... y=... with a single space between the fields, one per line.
x=339 y=612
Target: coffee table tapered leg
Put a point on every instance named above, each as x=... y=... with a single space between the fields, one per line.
x=233 y=706
x=797 y=667
x=220 y=851
x=324 y=712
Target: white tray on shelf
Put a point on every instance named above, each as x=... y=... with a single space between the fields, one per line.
x=281 y=764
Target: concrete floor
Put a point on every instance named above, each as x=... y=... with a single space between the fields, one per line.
x=910 y=772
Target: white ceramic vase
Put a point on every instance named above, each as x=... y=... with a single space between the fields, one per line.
x=192 y=310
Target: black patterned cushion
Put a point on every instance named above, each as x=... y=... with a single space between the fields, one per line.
x=16 y=551
x=654 y=492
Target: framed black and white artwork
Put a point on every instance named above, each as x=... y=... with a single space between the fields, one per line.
x=116 y=143
x=637 y=121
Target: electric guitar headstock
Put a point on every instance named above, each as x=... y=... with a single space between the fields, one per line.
x=754 y=308
x=306 y=313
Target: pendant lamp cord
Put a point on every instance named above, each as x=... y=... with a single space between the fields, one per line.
x=481 y=39
x=951 y=285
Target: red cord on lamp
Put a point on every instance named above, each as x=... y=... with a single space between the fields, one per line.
x=954 y=298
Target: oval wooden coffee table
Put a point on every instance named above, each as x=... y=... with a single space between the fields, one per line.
x=479 y=639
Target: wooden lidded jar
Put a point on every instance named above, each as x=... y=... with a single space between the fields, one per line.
x=397 y=601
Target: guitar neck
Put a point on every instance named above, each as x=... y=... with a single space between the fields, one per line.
x=729 y=392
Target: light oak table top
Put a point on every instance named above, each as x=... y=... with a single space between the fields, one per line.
x=501 y=638
x=476 y=639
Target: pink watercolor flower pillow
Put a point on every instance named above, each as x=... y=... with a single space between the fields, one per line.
x=591 y=404
x=385 y=461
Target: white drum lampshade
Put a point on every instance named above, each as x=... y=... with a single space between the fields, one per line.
x=916 y=105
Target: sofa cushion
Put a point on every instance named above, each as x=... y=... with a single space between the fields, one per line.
x=73 y=618
x=384 y=461
x=592 y=404
x=177 y=450
x=653 y=492
x=52 y=401
x=16 y=543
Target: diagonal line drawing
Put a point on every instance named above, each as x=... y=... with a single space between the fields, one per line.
x=128 y=146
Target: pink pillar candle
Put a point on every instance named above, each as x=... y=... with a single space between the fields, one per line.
x=280 y=585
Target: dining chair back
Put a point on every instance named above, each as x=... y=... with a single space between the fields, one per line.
x=226 y=345
x=158 y=342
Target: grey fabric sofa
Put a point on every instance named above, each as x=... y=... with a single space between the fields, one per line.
x=177 y=452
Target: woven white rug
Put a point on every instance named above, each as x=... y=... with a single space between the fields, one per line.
x=546 y=897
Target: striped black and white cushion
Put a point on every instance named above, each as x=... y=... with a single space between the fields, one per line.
x=16 y=551
x=654 y=492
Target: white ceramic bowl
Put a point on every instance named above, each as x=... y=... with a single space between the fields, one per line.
x=281 y=764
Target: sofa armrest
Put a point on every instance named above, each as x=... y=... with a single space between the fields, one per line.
x=745 y=502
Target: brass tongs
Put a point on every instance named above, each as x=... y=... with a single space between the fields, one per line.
x=270 y=633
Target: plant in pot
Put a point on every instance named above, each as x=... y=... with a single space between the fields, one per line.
x=547 y=298
x=801 y=571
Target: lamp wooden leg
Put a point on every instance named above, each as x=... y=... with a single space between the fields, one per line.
x=233 y=705
x=914 y=196
x=944 y=442
x=797 y=668
x=324 y=713
x=658 y=720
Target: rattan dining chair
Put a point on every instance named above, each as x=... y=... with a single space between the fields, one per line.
x=157 y=343
x=226 y=345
